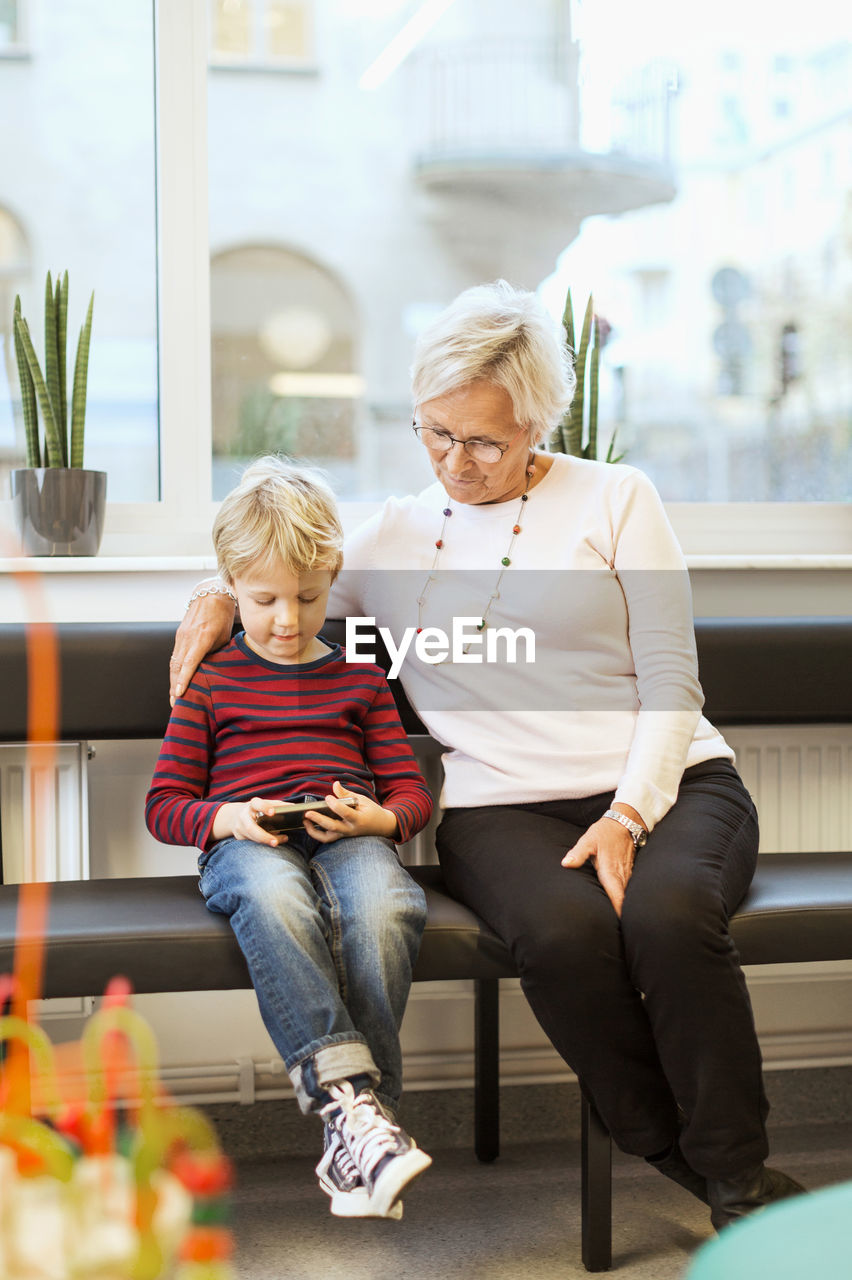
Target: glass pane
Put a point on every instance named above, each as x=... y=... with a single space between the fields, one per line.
x=726 y=368
x=77 y=193
x=232 y=27
x=14 y=271
x=692 y=172
x=9 y=23
x=284 y=357
x=287 y=29
x=261 y=32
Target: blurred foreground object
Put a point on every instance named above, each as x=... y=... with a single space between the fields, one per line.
x=119 y=1184
x=808 y=1236
x=103 y=1178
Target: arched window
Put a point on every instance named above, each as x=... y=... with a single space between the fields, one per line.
x=284 y=363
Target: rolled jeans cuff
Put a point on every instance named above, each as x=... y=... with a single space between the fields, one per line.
x=340 y=1060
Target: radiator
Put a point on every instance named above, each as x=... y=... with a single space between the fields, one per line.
x=801 y=780
x=44 y=814
x=800 y=777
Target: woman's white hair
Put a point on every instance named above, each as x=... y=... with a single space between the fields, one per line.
x=504 y=336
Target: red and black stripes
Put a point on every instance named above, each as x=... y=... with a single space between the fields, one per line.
x=247 y=727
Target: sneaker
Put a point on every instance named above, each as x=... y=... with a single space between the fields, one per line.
x=341 y=1181
x=384 y=1156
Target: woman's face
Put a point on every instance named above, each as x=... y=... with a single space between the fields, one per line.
x=478 y=411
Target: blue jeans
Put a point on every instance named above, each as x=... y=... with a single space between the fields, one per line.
x=330 y=933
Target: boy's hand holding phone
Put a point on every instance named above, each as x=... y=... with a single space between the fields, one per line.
x=345 y=813
x=240 y=819
x=354 y=815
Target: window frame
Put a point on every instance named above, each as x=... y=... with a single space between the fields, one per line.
x=183 y=515
x=179 y=524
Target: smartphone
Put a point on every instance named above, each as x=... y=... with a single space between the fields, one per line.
x=290 y=817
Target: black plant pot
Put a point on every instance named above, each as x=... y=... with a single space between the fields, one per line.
x=59 y=511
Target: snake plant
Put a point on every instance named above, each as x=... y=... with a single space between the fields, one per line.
x=45 y=393
x=577 y=433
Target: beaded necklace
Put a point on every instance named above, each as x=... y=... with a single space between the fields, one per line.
x=505 y=560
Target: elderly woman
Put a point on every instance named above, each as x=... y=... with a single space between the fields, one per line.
x=592 y=816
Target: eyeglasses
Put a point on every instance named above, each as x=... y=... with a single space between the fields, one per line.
x=441 y=442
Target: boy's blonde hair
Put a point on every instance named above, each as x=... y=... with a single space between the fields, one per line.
x=278 y=513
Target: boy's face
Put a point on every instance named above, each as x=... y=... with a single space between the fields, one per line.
x=283 y=611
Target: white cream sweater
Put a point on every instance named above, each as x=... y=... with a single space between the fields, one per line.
x=611 y=700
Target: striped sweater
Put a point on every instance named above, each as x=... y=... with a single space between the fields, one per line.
x=248 y=727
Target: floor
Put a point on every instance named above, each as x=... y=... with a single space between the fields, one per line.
x=516 y=1219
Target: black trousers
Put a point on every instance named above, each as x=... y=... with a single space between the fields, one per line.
x=651 y=1012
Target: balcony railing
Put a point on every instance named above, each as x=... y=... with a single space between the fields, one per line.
x=640 y=123
x=496 y=99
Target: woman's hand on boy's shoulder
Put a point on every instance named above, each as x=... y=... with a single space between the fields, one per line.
x=363 y=818
x=206 y=626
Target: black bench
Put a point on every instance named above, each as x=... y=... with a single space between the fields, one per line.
x=158 y=932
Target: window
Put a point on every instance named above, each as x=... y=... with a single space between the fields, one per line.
x=404 y=170
x=409 y=175
x=284 y=364
x=261 y=32
x=77 y=193
x=14 y=270
x=699 y=381
x=11 y=26
x=375 y=189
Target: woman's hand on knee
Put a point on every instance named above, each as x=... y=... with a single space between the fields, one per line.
x=610 y=850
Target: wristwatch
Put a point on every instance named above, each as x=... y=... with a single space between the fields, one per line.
x=637 y=831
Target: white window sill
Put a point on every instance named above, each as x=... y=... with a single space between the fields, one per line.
x=204 y=565
x=156 y=588
x=808 y=560
x=207 y=564
x=99 y=588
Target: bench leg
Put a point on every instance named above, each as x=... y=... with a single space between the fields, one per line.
x=596 y=1196
x=486 y=1093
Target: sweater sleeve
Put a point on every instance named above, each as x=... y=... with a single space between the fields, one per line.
x=655 y=582
x=399 y=784
x=176 y=811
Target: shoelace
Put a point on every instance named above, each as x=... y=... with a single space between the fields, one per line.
x=345 y=1167
x=373 y=1135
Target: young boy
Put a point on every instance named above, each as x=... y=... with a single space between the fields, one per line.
x=328 y=919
